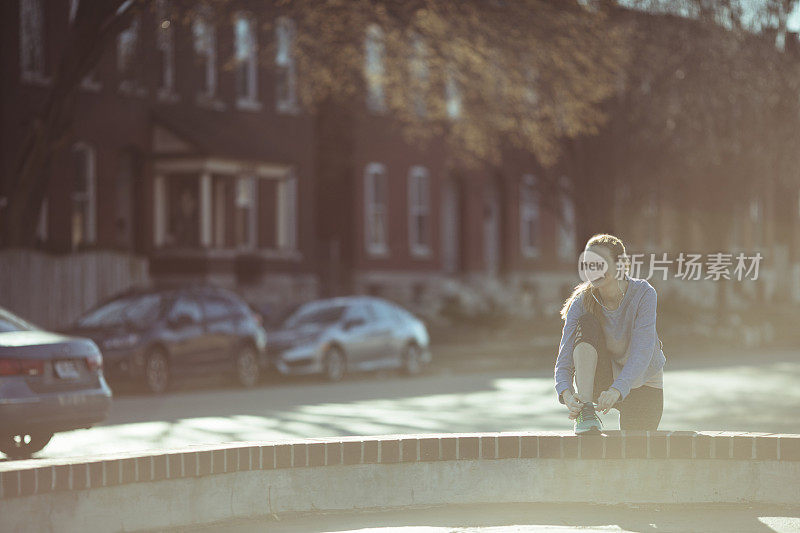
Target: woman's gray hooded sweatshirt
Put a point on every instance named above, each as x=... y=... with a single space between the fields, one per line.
x=630 y=331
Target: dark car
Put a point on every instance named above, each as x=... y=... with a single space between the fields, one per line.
x=342 y=334
x=48 y=383
x=156 y=335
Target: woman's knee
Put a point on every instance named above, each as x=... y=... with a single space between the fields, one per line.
x=584 y=350
x=589 y=331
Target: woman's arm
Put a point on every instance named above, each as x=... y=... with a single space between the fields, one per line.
x=642 y=345
x=565 y=366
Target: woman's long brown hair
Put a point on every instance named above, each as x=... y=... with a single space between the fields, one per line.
x=617 y=249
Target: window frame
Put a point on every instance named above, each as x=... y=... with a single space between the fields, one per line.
x=286 y=213
x=566 y=235
x=285 y=30
x=165 y=46
x=375 y=69
x=454 y=98
x=419 y=188
x=205 y=47
x=420 y=75
x=246 y=184
x=529 y=212
x=90 y=214
x=248 y=101
x=32 y=51
x=130 y=75
x=373 y=209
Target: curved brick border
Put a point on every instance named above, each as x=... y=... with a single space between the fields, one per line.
x=26 y=478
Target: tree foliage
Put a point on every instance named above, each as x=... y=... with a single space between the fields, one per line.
x=528 y=72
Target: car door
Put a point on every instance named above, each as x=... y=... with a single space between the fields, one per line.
x=390 y=329
x=220 y=324
x=365 y=341
x=186 y=334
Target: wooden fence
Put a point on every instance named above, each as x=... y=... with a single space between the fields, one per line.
x=53 y=290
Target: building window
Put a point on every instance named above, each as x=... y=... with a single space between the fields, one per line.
x=376 y=209
x=165 y=44
x=73 y=9
x=205 y=48
x=246 y=61
x=566 y=232
x=287 y=213
x=419 y=211
x=452 y=95
x=180 y=196
x=82 y=221
x=286 y=77
x=31 y=41
x=245 y=213
x=374 y=53
x=419 y=75
x=531 y=83
x=128 y=60
x=529 y=217
x=89 y=82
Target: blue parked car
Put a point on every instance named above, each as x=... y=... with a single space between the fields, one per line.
x=156 y=335
x=48 y=383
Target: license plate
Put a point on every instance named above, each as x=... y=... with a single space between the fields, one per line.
x=67 y=370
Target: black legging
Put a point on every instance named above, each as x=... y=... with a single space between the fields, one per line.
x=643 y=406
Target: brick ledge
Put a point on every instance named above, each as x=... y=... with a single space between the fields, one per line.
x=25 y=478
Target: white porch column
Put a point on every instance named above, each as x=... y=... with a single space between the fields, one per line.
x=205 y=209
x=159 y=211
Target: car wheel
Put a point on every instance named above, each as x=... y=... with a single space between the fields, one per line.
x=23 y=446
x=247 y=369
x=156 y=372
x=412 y=363
x=335 y=364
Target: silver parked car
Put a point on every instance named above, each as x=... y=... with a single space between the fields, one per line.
x=48 y=383
x=337 y=335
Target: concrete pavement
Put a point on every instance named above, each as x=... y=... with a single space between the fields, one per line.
x=526 y=517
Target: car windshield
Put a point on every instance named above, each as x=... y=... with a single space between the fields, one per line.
x=10 y=322
x=138 y=311
x=322 y=316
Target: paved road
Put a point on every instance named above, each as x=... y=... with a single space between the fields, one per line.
x=526 y=517
x=701 y=393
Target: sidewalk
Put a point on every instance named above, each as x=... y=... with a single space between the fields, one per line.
x=524 y=517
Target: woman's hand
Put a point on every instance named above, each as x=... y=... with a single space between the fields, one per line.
x=607 y=399
x=573 y=404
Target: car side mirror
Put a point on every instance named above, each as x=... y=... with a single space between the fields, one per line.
x=353 y=323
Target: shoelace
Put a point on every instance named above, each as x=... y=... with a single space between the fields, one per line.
x=588 y=408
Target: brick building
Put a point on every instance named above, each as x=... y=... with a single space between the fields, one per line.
x=216 y=173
